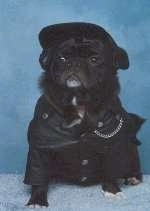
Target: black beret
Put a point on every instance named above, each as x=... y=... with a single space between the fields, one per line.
x=54 y=35
x=57 y=33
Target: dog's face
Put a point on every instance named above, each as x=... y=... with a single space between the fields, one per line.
x=81 y=64
x=76 y=64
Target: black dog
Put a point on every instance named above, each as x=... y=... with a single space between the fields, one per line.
x=80 y=132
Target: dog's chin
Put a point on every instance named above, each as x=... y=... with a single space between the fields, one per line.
x=73 y=82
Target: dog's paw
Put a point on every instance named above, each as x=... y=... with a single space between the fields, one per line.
x=118 y=195
x=112 y=191
x=37 y=203
x=38 y=197
x=132 y=181
x=32 y=206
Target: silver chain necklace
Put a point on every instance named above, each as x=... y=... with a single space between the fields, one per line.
x=107 y=136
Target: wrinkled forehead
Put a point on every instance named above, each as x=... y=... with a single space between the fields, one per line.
x=81 y=48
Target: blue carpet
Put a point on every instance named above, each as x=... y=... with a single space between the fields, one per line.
x=14 y=194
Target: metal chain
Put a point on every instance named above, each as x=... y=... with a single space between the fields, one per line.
x=107 y=136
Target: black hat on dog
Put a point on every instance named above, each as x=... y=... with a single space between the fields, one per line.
x=55 y=34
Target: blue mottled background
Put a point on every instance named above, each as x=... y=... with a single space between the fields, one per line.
x=20 y=21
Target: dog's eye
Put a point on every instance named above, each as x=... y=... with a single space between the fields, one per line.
x=93 y=59
x=96 y=60
x=62 y=59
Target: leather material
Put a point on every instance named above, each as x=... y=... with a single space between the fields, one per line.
x=56 y=151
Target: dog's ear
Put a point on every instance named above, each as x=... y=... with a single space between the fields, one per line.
x=45 y=58
x=120 y=60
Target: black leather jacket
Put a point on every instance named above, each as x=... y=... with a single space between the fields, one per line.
x=105 y=150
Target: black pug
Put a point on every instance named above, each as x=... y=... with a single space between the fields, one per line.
x=80 y=133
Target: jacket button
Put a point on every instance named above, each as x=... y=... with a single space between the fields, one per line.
x=84 y=162
x=83 y=179
x=100 y=124
x=82 y=135
x=44 y=115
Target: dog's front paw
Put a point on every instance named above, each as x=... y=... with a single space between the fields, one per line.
x=38 y=197
x=37 y=202
x=112 y=191
x=110 y=195
x=35 y=206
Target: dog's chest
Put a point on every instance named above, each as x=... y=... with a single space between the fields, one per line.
x=52 y=128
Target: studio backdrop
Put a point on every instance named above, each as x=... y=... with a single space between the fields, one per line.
x=20 y=22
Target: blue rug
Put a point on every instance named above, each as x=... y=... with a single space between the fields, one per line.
x=14 y=194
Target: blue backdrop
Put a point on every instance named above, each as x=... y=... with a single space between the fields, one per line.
x=20 y=21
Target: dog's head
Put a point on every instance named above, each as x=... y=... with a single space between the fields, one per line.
x=80 y=56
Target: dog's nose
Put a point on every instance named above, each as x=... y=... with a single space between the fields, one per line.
x=78 y=63
x=74 y=64
x=69 y=63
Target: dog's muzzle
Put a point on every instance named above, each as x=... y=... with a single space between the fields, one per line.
x=73 y=81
